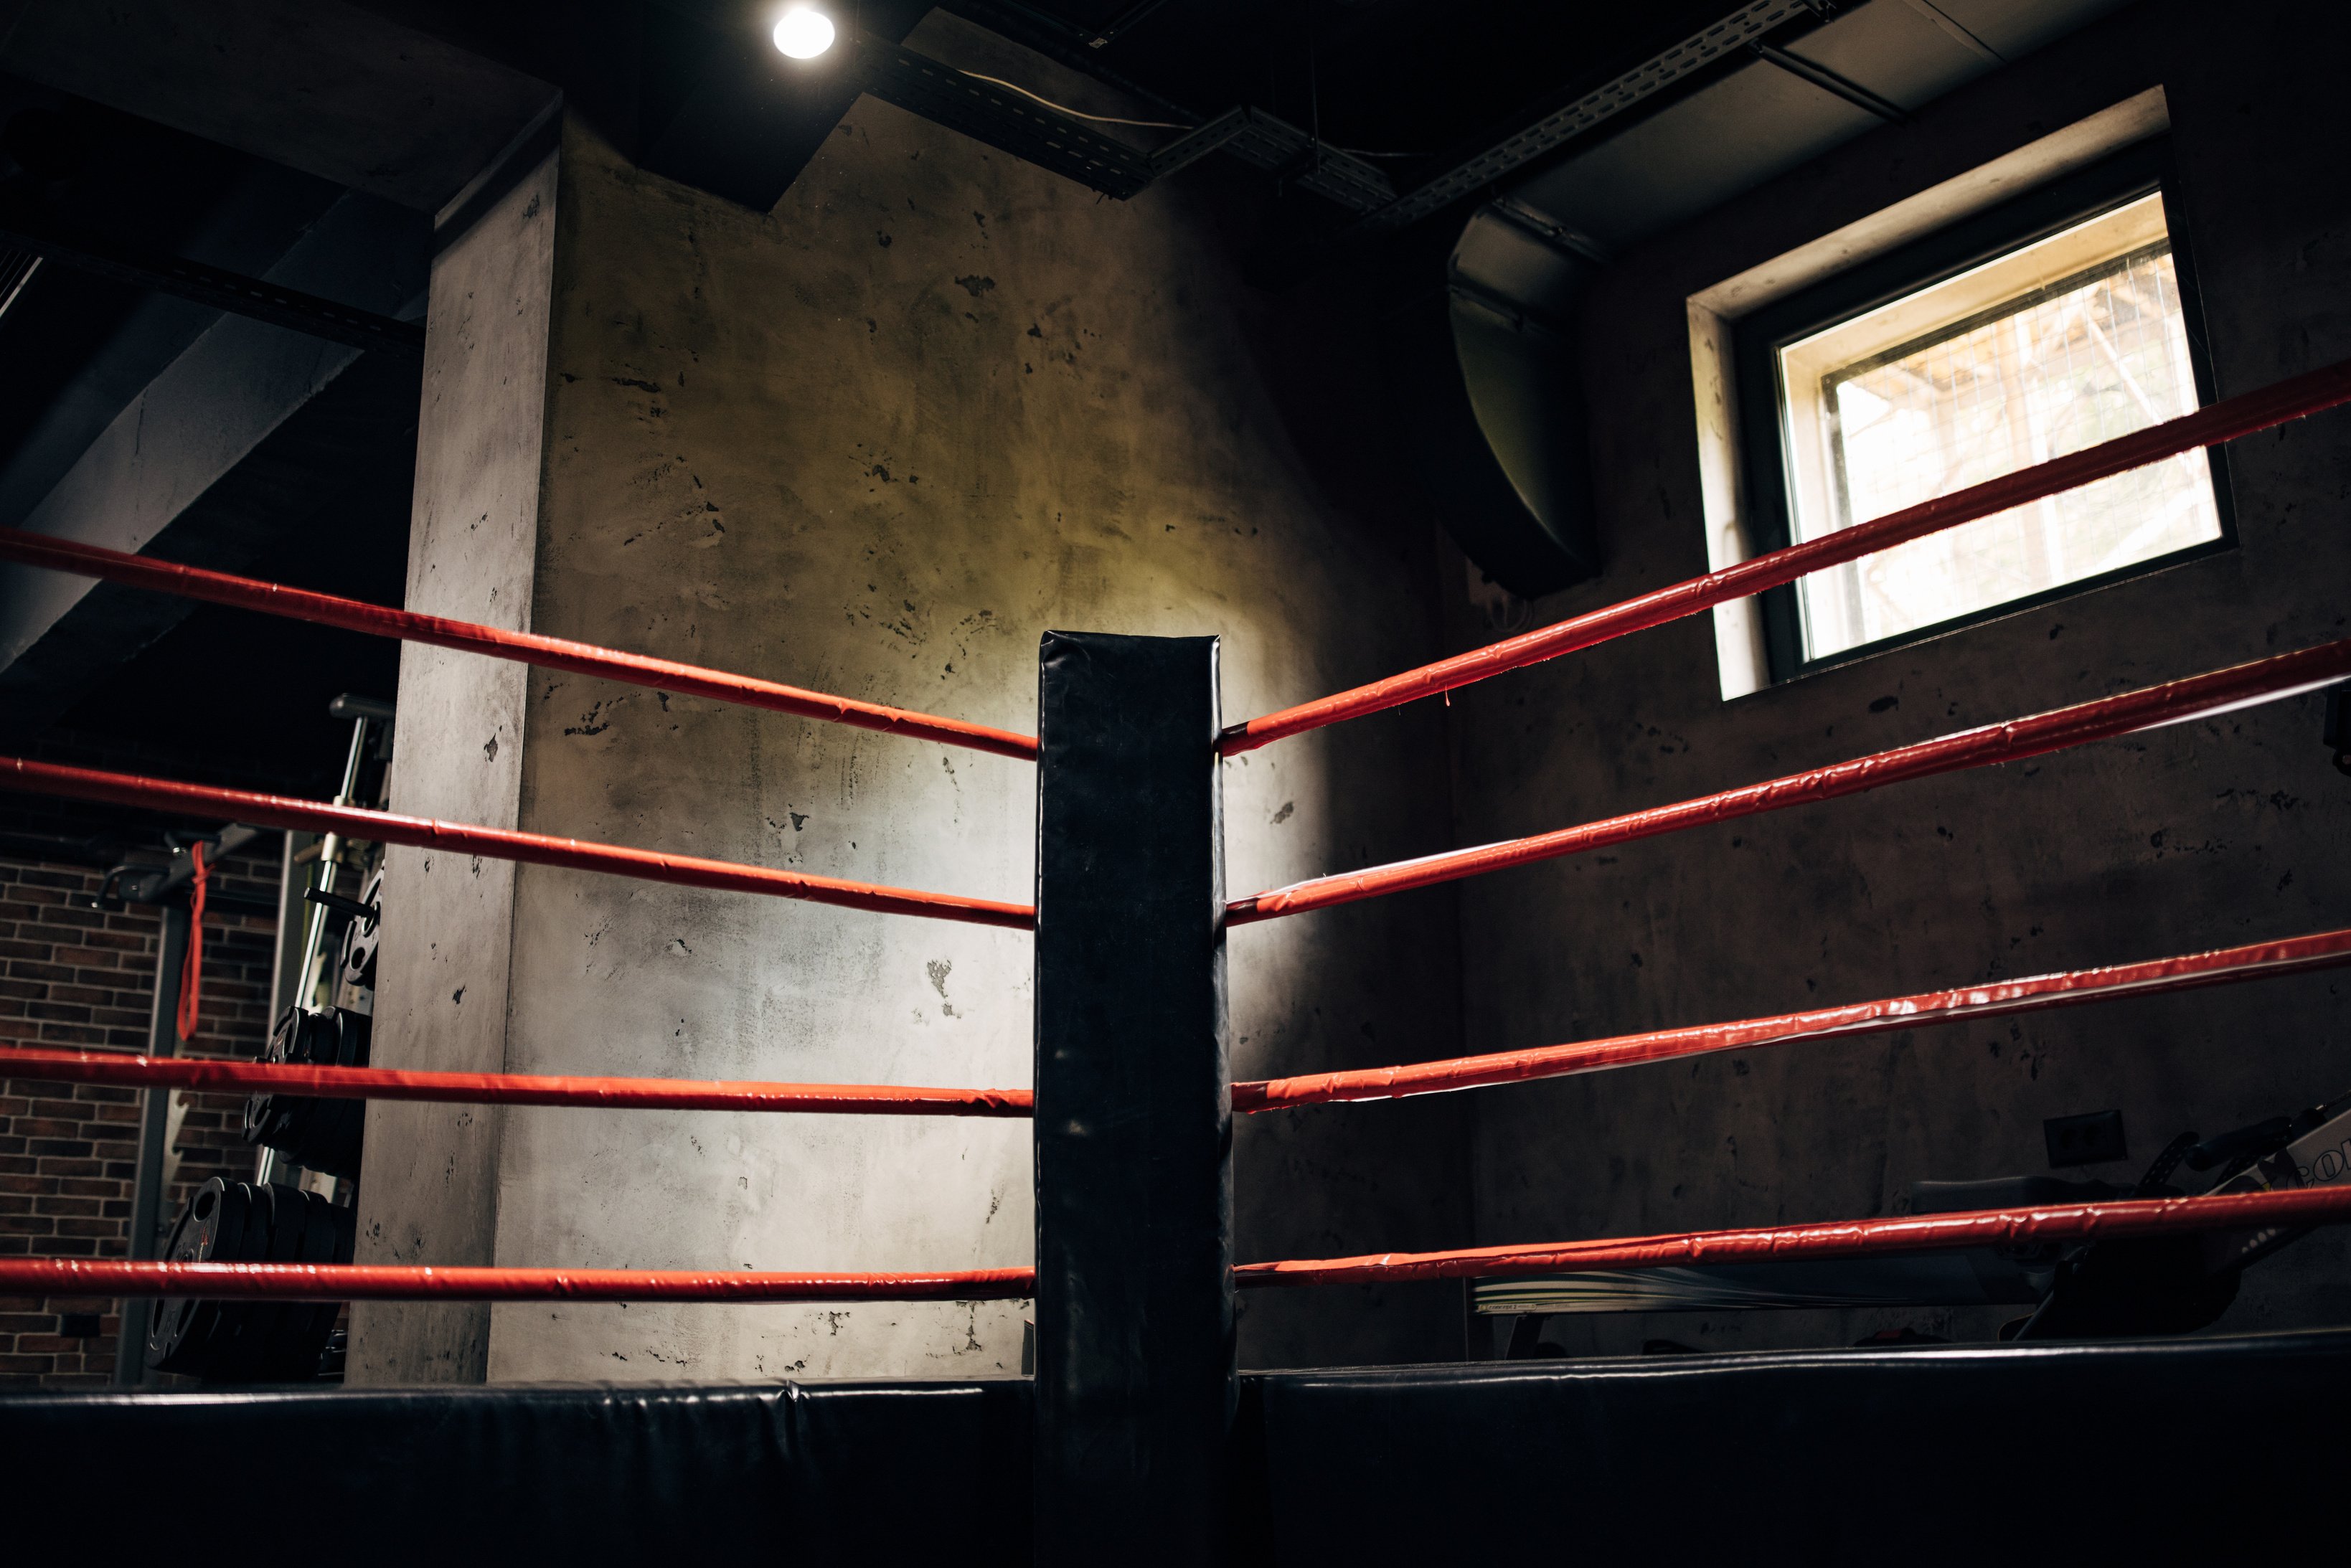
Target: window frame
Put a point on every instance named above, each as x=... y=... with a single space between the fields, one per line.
x=1756 y=341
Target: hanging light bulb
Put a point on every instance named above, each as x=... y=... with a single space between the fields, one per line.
x=804 y=32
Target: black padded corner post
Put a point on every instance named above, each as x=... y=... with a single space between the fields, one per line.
x=1135 y=1383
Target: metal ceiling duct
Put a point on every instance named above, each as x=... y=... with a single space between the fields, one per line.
x=1484 y=378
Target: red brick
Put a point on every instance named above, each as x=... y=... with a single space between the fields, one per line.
x=98 y=959
x=114 y=941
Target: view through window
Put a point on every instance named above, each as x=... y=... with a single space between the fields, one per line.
x=2059 y=345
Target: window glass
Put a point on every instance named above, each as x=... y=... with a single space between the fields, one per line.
x=2059 y=345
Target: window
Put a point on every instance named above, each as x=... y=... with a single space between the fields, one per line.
x=2063 y=321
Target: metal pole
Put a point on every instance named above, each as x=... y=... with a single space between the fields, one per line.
x=305 y=987
x=314 y=934
x=155 y=1108
x=1136 y=1385
x=293 y=914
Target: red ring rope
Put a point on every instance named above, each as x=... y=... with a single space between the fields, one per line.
x=2225 y=420
x=1835 y=1239
x=508 y=1088
x=471 y=637
x=499 y=843
x=1996 y=999
x=2198 y=696
x=413 y=1283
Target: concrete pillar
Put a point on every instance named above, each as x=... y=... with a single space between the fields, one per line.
x=429 y=1188
x=875 y=441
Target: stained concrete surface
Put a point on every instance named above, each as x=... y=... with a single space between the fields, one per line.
x=876 y=443
x=428 y=1191
x=2195 y=836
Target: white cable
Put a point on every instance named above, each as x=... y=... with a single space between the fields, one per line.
x=1065 y=109
x=1147 y=124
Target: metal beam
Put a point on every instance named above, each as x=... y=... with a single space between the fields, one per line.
x=210 y=285
x=1732 y=34
x=1830 y=82
x=1282 y=149
x=1013 y=124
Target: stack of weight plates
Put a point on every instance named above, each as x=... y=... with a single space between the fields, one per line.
x=317 y=1135
x=250 y=1342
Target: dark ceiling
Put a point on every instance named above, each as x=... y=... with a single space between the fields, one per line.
x=206 y=692
x=1383 y=76
x=88 y=164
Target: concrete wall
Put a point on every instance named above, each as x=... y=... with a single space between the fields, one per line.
x=2195 y=836
x=876 y=443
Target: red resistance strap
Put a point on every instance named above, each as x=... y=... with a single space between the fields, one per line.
x=508 y=1088
x=2199 y=696
x=498 y=843
x=192 y=970
x=2228 y=420
x=409 y=1283
x=1837 y=1239
x=1997 y=998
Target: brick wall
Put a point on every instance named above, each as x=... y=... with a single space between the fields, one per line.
x=72 y=977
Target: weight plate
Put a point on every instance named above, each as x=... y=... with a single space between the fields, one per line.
x=167 y=1326
x=248 y=1329
x=353 y=1031
x=212 y=1229
x=315 y=1134
x=293 y=1354
x=332 y=1141
x=359 y=939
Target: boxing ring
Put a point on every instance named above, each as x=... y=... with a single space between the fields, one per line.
x=1138 y=1437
